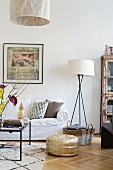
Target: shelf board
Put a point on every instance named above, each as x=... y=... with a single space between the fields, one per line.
x=109 y=114
x=109 y=77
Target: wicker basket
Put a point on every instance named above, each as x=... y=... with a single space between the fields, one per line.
x=89 y=134
x=85 y=135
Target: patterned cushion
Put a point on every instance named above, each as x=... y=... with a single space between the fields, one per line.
x=38 y=110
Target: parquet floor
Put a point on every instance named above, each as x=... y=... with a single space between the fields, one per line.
x=90 y=157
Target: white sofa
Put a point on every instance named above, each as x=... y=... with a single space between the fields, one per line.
x=40 y=128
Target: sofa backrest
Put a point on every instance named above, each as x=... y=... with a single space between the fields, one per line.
x=12 y=112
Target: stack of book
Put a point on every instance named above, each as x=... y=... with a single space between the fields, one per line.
x=10 y=123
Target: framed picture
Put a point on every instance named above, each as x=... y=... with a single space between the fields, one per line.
x=23 y=63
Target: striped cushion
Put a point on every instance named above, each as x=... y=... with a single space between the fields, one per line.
x=38 y=110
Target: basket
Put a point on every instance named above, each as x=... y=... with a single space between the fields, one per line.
x=85 y=135
x=81 y=133
x=89 y=134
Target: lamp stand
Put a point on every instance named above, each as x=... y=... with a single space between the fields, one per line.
x=80 y=98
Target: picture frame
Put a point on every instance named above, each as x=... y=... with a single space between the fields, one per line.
x=23 y=63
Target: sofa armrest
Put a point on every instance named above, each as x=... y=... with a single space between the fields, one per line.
x=62 y=116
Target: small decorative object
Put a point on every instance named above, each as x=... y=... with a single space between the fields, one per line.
x=106 y=49
x=109 y=72
x=109 y=88
x=110 y=50
x=21 y=112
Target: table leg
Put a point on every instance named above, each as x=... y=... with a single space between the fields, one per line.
x=29 y=132
x=20 y=145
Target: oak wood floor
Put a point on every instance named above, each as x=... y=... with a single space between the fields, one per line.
x=90 y=157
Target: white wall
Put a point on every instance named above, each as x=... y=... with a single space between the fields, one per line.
x=78 y=29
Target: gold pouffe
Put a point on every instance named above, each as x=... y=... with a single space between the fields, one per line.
x=62 y=145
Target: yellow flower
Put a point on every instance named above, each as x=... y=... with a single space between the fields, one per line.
x=2 y=105
x=1 y=90
x=1 y=93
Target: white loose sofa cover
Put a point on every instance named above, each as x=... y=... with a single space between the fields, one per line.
x=40 y=128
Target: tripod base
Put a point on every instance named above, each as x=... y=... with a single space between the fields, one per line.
x=80 y=100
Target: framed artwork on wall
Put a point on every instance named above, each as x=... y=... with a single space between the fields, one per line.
x=23 y=63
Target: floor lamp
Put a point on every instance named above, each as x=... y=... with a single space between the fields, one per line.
x=80 y=68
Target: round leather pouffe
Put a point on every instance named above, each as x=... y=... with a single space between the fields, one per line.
x=62 y=145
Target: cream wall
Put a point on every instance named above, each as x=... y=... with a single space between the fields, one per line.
x=78 y=29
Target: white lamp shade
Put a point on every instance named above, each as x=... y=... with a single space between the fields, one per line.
x=81 y=67
x=30 y=12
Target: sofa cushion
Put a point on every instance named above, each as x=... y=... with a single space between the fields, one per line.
x=52 y=109
x=38 y=110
